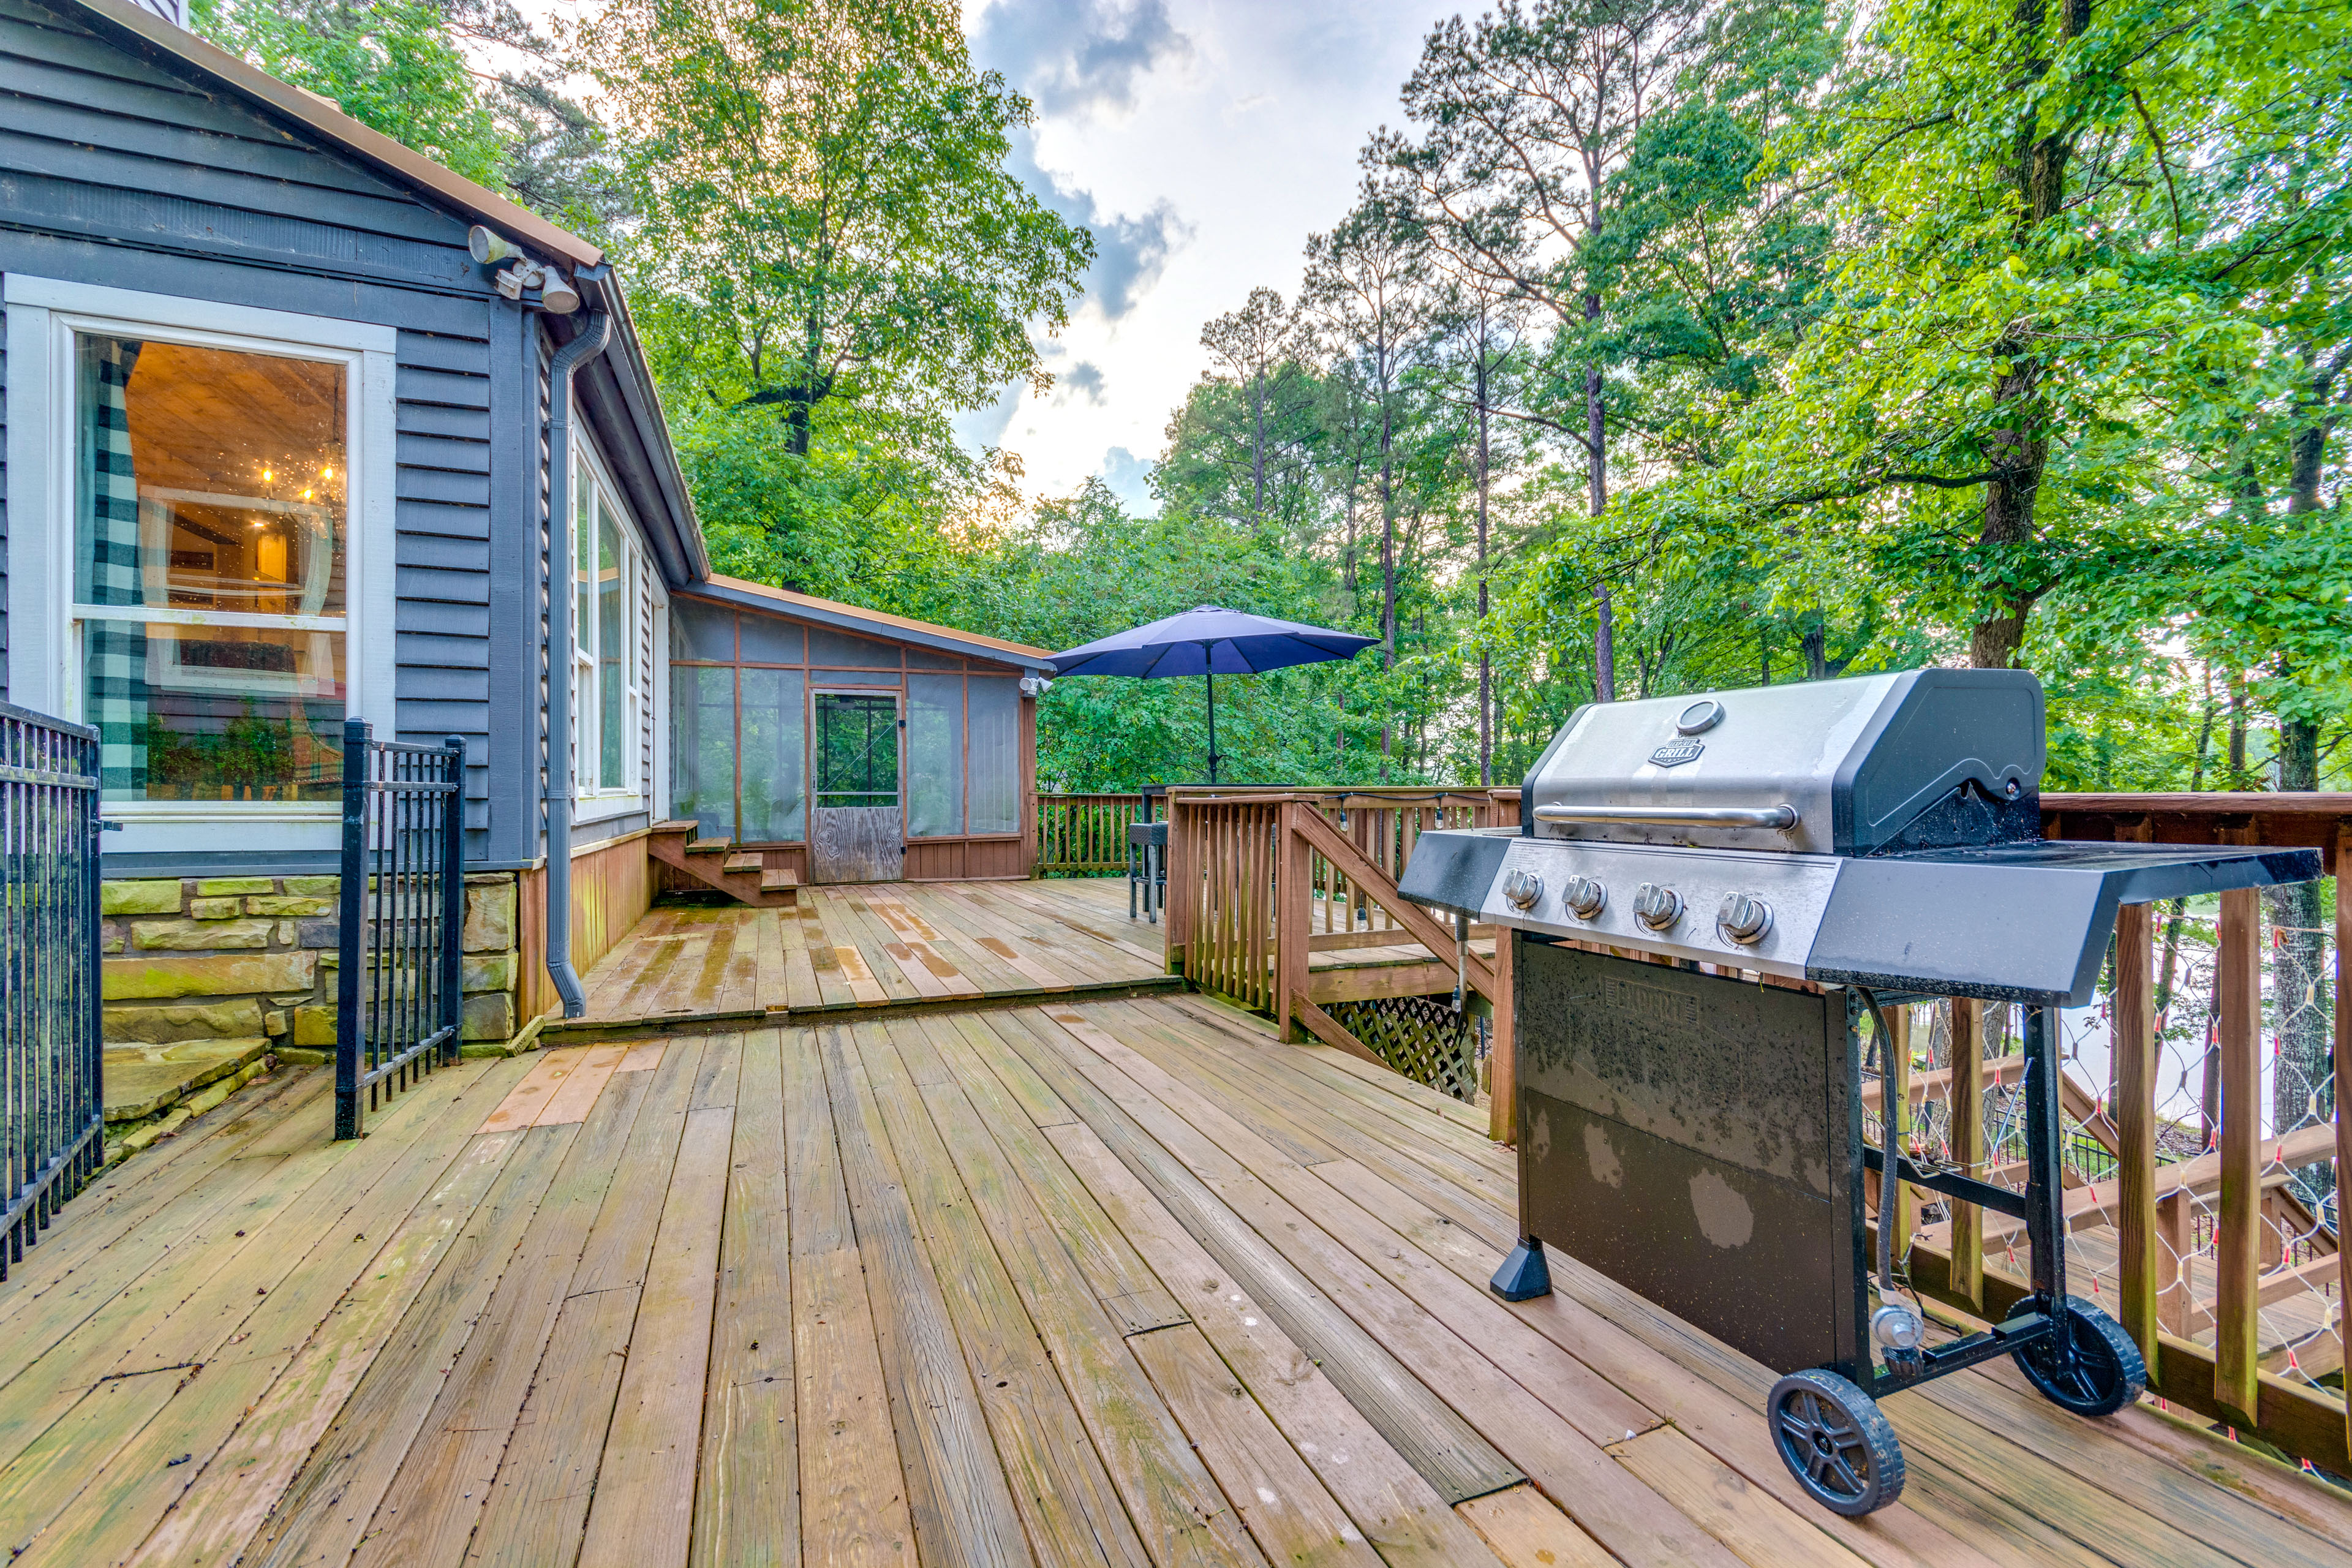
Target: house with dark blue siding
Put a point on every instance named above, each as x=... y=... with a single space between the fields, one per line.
x=288 y=409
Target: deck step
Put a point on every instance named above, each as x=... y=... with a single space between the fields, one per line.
x=779 y=881
x=676 y=825
x=743 y=860
x=710 y=847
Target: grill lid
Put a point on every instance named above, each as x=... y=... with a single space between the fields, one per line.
x=1910 y=760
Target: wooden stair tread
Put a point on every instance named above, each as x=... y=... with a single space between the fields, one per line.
x=779 y=880
x=742 y=860
x=676 y=825
x=710 y=847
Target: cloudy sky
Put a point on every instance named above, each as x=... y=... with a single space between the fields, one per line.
x=1201 y=141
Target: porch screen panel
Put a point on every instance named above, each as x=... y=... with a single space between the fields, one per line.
x=702 y=747
x=996 y=755
x=775 y=773
x=934 y=756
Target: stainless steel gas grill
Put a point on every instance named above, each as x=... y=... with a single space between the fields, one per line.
x=1698 y=1134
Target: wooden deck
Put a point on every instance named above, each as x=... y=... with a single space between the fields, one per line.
x=1120 y=1282
x=868 y=945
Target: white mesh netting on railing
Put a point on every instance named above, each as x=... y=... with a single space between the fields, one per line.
x=2301 y=1306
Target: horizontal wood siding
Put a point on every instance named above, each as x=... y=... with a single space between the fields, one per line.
x=966 y=859
x=115 y=171
x=612 y=888
x=4 y=506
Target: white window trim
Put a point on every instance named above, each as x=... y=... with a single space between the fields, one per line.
x=43 y=315
x=594 y=803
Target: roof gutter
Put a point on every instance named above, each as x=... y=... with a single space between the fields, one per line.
x=595 y=335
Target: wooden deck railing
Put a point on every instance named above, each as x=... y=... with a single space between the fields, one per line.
x=1258 y=882
x=2206 y=1130
x=1084 y=834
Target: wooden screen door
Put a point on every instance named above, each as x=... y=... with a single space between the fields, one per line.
x=857 y=828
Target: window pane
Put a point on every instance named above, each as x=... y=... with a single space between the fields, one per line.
x=702 y=748
x=701 y=631
x=612 y=652
x=583 y=626
x=767 y=640
x=775 y=793
x=934 y=755
x=996 y=755
x=210 y=479
x=215 y=713
x=829 y=647
x=856 y=750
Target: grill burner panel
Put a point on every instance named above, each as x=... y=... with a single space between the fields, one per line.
x=2008 y=922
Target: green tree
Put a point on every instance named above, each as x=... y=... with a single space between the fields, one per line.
x=396 y=66
x=827 y=207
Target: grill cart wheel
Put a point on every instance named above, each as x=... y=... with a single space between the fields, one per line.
x=1835 y=1441
x=2107 y=1375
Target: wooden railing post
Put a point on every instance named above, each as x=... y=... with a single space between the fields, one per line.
x=2237 y=1350
x=1293 y=934
x=2343 y=1086
x=1968 y=1146
x=2133 y=1112
x=1502 y=1058
x=1182 y=895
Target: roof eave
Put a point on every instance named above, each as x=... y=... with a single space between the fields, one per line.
x=941 y=639
x=127 y=21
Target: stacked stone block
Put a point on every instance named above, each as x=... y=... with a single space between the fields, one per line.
x=207 y=976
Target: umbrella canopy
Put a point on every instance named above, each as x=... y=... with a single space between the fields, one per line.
x=1210 y=641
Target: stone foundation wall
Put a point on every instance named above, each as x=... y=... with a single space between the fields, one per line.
x=227 y=964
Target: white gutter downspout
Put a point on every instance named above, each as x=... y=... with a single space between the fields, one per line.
x=595 y=332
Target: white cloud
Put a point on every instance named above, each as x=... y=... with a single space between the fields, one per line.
x=1084 y=379
x=1076 y=57
x=1130 y=477
x=1234 y=138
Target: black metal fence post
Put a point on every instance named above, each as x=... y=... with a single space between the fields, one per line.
x=453 y=900
x=351 y=933
x=399 y=990
x=52 y=1051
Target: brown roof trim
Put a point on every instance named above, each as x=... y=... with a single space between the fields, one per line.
x=733 y=589
x=516 y=222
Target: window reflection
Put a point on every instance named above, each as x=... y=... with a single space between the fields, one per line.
x=209 y=565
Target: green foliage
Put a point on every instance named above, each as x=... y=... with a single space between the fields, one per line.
x=393 y=65
x=827 y=207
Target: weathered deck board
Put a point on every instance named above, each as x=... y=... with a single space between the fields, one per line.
x=1097 y=1281
x=842 y=947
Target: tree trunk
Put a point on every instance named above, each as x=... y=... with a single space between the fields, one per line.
x=1485 y=687
x=1387 y=552
x=1596 y=447
x=2020 y=450
x=1257 y=452
x=2303 y=1087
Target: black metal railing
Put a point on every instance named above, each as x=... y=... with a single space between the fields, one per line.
x=399 y=996
x=52 y=1055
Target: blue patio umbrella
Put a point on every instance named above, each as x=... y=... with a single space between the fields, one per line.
x=1209 y=641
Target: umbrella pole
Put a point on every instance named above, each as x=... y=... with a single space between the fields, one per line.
x=1210 y=676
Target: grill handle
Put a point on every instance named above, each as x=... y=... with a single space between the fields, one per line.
x=1780 y=816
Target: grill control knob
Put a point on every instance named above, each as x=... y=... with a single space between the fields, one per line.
x=1656 y=907
x=1744 y=918
x=1523 y=889
x=1584 y=896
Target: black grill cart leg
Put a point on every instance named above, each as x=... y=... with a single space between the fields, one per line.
x=2045 y=1185
x=1524 y=1274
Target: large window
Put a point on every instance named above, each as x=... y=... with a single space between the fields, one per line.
x=209 y=595
x=200 y=551
x=612 y=613
x=766 y=714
